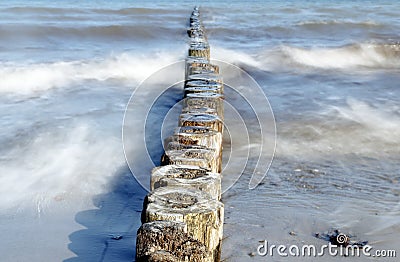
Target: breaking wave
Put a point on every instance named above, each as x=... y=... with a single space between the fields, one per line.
x=384 y=56
x=58 y=164
x=358 y=128
x=26 y=79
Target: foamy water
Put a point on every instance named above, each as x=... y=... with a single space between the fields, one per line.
x=67 y=71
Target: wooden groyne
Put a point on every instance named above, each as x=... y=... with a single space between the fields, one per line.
x=182 y=217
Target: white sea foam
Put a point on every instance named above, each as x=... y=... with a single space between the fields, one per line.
x=235 y=57
x=26 y=79
x=347 y=57
x=383 y=124
x=345 y=22
x=285 y=57
x=358 y=128
x=59 y=165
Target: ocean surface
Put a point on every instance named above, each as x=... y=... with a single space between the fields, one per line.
x=331 y=73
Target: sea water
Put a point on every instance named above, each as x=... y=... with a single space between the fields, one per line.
x=330 y=70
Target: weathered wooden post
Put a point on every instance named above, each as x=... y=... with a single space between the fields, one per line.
x=199 y=68
x=168 y=241
x=199 y=119
x=205 y=99
x=203 y=215
x=182 y=215
x=199 y=49
x=187 y=176
x=202 y=89
x=201 y=136
x=193 y=60
x=205 y=76
x=191 y=155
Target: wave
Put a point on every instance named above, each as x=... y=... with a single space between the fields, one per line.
x=235 y=57
x=57 y=165
x=356 y=57
x=369 y=56
x=127 y=68
x=357 y=128
x=322 y=24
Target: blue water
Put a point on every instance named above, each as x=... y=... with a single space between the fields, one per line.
x=330 y=70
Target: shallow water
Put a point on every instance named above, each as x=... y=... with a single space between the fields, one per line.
x=329 y=69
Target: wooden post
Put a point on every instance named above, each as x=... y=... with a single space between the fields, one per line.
x=211 y=159
x=202 y=215
x=201 y=86
x=197 y=119
x=205 y=76
x=187 y=176
x=205 y=84
x=204 y=158
x=197 y=135
x=213 y=101
x=200 y=110
x=168 y=241
x=201 y=68
x=193 y=60
x=199 y=49
x=200 y=136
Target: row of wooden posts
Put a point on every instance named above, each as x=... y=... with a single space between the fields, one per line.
x=182 y=217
